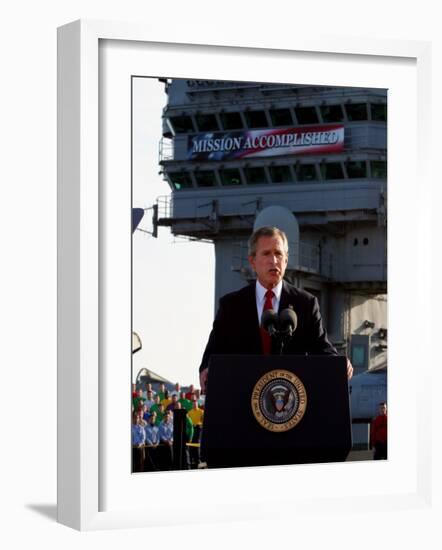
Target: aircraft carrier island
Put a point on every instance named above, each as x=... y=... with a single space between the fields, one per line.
x=309 y=159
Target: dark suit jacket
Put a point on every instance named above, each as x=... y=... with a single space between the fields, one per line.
x=236 y=327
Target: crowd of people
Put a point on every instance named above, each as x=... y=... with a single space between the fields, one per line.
x=153 y=426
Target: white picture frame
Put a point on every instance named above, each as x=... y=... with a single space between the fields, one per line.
x=84 y=303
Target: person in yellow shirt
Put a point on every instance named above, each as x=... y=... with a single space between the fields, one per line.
x=167 y=400
x=161 y=391
x=197 y=416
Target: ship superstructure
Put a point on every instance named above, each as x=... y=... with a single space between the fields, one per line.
x=312 y=159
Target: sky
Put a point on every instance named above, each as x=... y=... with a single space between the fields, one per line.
x=173 y=281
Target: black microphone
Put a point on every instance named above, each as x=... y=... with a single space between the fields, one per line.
x=288 y=321
x=269 y=321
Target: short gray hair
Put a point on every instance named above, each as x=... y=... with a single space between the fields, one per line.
x=266 y=231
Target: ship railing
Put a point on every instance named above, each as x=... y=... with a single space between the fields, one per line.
x=165 y=206
x=165 y=150
x=303 y=256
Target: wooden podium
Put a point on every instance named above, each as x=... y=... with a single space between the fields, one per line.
x=269 y=410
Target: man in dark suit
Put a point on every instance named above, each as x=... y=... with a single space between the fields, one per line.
x=236 y=329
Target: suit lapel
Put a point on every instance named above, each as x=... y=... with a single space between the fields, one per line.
x=284 y=301
x=251 y=317
x=288 y=299
x=251 y=306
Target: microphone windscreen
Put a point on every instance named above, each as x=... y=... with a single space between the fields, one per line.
x=288 y=318
x=269 y=318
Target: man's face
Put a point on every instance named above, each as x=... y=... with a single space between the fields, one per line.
x=383 y=409
x=270 y=261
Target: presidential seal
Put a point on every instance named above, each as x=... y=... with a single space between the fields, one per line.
x=279 y=400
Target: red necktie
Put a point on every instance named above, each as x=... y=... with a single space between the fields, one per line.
x=265 y=336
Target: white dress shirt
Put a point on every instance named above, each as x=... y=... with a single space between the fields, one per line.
x=261 y=297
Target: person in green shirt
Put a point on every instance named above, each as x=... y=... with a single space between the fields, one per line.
x=156 y=401
x=189 y=429
x=185 y=403
x=189 y=424
x=159 y=410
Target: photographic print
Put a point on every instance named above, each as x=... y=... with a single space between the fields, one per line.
x=259 y=274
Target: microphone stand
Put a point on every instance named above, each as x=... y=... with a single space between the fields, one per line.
x=282 y=337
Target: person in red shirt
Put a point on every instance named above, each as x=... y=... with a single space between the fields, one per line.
x=378 y=434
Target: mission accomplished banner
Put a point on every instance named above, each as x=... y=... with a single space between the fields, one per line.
x=266 y=143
